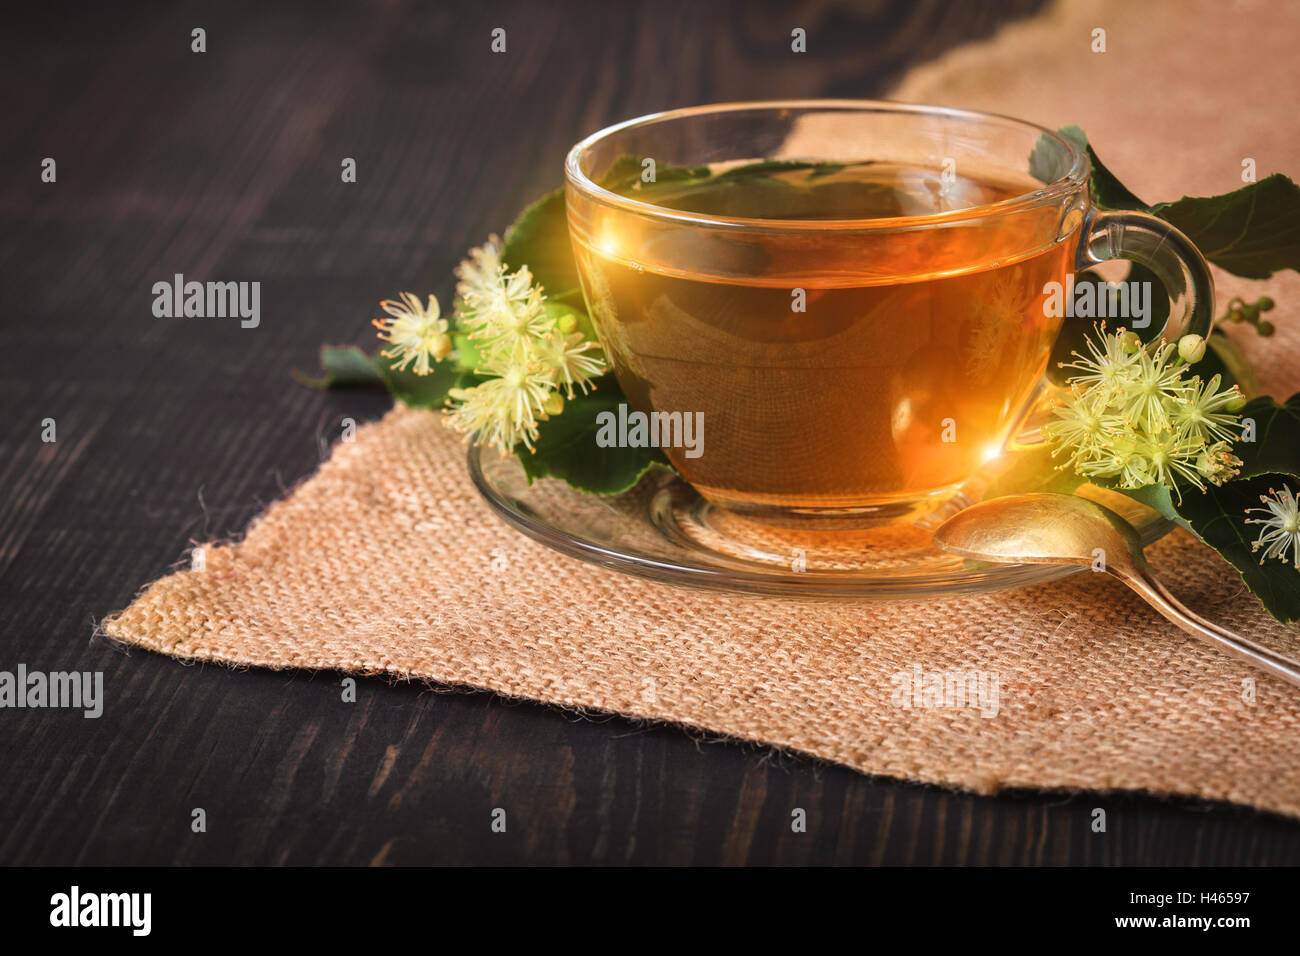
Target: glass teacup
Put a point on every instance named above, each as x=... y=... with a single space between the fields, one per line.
x=831 y=308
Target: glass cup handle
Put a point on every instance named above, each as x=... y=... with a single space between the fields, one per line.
x=1164 y=250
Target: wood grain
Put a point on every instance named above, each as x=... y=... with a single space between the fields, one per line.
x=225 y=165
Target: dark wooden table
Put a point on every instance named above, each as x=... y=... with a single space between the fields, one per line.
x=226 y=165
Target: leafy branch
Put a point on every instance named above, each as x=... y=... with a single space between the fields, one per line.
x=1252 y=232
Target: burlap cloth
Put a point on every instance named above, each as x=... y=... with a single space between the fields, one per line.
x=387 y=562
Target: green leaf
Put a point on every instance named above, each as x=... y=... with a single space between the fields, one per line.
x=342 y=366
x=666 y=173
x=623 y=173
x=763 y=167
x=1218 y=518
x=1276 y=447
x=347 y=366
x=566 y=447
x=539 y=239
x=468 y=354
x=1253 y=231
x=539 y=236
x=1217 y=515
x=1107 y=191
x=1156 y=497
x=751 y=190
x=830 y=169
x=420 y=391
x=1044 y=159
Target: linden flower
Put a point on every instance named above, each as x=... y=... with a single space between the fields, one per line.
x=503 y=410
x=416 y=332
x=479 y=273
x=1152 y=389
x=1084 y=427
x=531 y=353
x=1132 y=418
x=1109 y=364
x=513 y=320
x=1281 y=531
x=498 y=308
x=1205 y=412
x=565 y=356
x=1169 y=457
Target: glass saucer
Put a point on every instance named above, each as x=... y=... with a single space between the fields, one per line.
x=662 y=529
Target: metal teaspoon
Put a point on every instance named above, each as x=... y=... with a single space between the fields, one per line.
x=1065 y=529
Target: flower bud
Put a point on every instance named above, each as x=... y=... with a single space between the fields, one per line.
x=1265 y=304
x=554 y=404
x=1130 y=341
x=1265 y=328
x=1191 y=348
x=567 y=323
x=440 y=346
x=1237 y=402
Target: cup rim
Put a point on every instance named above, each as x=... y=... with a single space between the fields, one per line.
x=1076 y=175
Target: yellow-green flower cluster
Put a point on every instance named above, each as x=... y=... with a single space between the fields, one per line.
x=1133 y=416
x=532 y=355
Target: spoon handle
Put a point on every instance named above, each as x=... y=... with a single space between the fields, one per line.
x=1160 y=598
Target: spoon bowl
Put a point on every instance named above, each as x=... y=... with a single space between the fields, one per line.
x=1040 y=529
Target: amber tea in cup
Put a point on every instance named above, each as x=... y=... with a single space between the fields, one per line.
x=849 y=297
